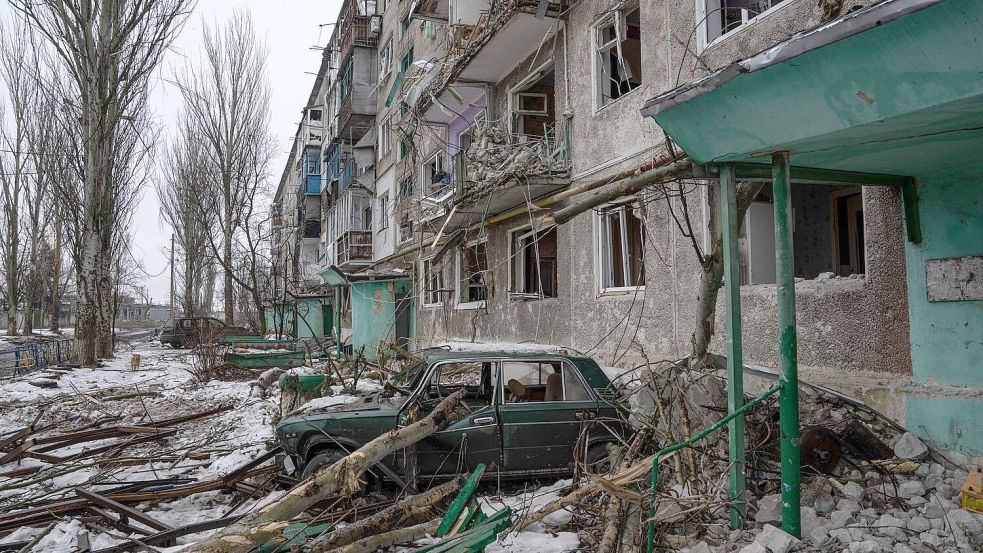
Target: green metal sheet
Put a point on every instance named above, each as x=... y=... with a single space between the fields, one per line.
x=266 y=360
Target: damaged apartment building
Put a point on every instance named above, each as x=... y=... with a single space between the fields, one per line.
x=500 y=171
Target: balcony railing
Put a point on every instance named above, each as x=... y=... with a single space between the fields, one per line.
x=354 y=246
x=360 y=31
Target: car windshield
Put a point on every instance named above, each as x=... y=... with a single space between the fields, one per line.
x=409 y=377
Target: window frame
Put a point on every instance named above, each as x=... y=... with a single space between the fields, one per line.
x=517 y=263
x=704 y=15
x=458 y=274
x=602 y=233
x=386 y=60
x=436 y=163
x=383 y=209
x=385 y=136
x=427 y=296
x=614 y=17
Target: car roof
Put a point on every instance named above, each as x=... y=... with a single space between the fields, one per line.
x=440 y=354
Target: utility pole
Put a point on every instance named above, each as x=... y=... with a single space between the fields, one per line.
x=172 y=276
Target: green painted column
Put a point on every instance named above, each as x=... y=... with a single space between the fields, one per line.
x=730 y=227
x=788 y=401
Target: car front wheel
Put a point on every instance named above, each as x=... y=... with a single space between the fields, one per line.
x=320 y=461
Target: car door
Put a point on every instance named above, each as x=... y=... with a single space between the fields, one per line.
x=539 y=432
x=473 y=439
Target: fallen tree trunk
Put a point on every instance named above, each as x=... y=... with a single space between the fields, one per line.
x=411 y=510
x=618 y=189
x=342 y=477
x=401 y=535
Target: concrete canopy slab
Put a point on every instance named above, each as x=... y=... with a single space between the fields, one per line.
x=516 y=40
x=902 y=97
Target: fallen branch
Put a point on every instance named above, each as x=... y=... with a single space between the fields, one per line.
x=382 y=541
x=410 y=510
x=341 y=477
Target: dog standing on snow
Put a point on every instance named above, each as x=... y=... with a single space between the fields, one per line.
x=135 y=362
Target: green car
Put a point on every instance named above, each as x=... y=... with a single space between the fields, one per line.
x=523 y=416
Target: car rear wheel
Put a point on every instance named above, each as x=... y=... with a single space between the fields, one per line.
x=598 y=459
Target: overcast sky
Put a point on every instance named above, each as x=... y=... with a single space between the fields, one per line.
x=290 y=28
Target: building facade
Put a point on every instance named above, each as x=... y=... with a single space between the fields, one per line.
x=486 y=126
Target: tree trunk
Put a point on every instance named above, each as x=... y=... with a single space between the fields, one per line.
x=410 y=510
x=712 y=276
x=343 y=477
x=227 y=257
x=56 y=275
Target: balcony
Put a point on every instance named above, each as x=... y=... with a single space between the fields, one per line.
x=503 y=175
x=491 y=37
x=359 y=30
x=354 y=247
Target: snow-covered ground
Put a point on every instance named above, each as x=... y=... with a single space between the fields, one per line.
x=222 y=442
x=85 y=396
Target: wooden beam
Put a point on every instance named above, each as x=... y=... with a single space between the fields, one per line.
x=125 y=511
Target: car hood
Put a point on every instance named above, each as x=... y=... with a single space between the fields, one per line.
x=364 y=404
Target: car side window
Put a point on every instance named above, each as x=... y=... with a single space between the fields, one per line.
x=186 y=323
x=474 y=377
x=531 y=381
x=573 y=386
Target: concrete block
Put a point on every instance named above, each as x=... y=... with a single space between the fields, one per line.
x=911 y=488
x=769 y=509
x=775 y=539
x=910 y=447
x=853 y=491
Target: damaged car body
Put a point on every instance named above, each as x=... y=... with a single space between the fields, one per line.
x=523 y=414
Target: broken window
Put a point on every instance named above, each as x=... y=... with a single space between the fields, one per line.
x=532 y=257
x=314 y=114
x=385 y=59
x=618 y=55
x=827 y=234
x=472 y=290
x=527 y=381
x=621 y=247
x=433 y=283
x=435 y=181
x=406 y=187
x=345 y=81
x=476 y=378
x=532 y=103
x=724 y=16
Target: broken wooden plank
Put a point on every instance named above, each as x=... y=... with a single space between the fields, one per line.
x=126 y=512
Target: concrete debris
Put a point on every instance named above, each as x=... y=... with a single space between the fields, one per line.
x=910 y=447
x=776 y=540
x=853 y=491
x=769 y=509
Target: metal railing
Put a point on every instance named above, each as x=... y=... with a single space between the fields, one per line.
x=675 y=447
x=22 y=359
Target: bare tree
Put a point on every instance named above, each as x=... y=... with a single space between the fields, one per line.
x=226 y=99
x=180 y=192
x=16 y=171
x=109 y=49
